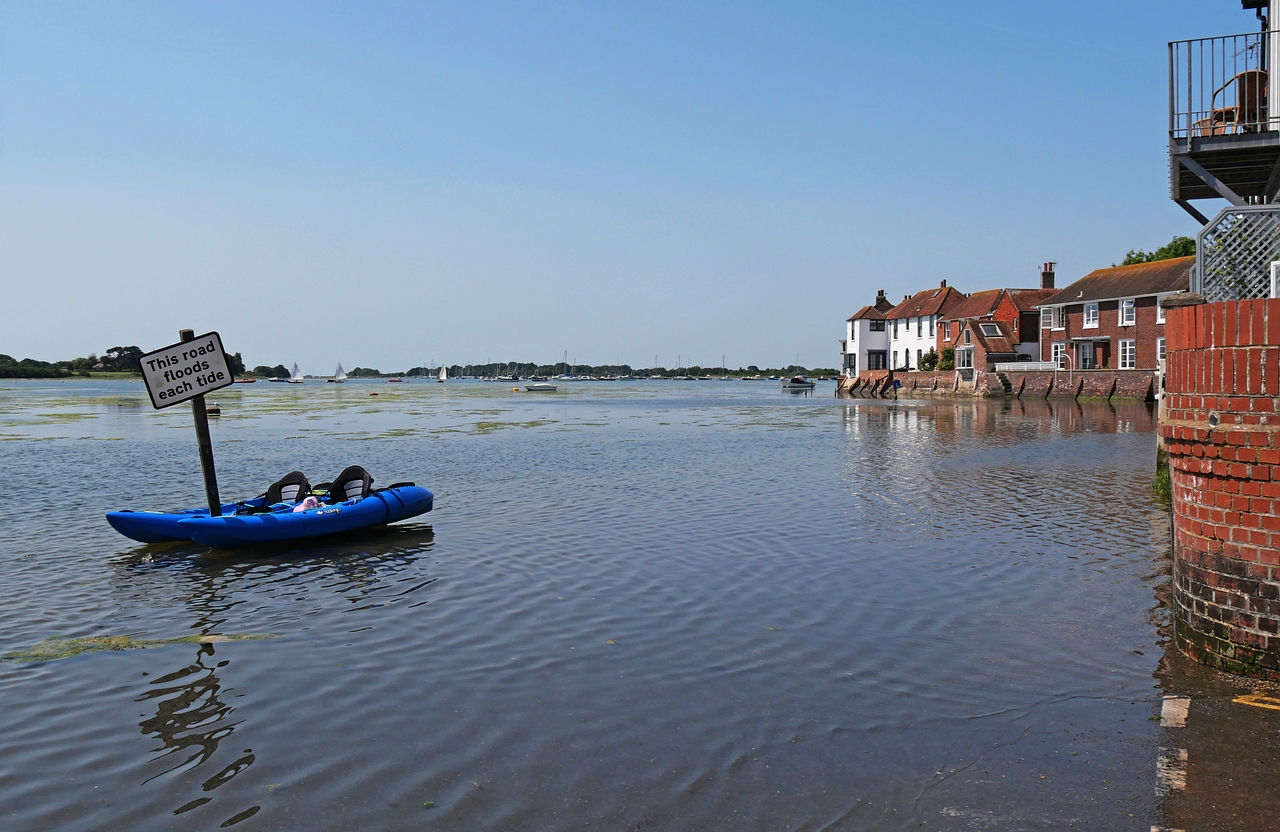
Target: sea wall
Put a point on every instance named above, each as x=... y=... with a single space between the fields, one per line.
x=1221 y=429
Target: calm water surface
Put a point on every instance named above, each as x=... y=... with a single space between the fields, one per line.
x=655 y=606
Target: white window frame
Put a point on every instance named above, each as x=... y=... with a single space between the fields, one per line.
x=1059 y=318
x=1131 y=304
x=946 y=330
x=1090 y=318
x=1127 y=361
x=1160 y=351
x=895 y=360
x=1160 y=309
x=895 y=329
x=1059 y=354
x=932 y=319
x=1046 y=317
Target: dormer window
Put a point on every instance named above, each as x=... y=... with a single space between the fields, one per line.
x=989 y=330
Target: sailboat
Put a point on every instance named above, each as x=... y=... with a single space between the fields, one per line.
x=295 y=377
x=339 y=375
x=444 y=374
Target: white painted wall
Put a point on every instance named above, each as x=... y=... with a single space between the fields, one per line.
x=909 y=342
x=859 y=340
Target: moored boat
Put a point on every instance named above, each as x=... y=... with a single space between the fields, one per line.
x=540 y=387
x=295 y=375
x=798 y=383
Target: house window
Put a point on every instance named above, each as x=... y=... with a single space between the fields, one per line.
x=968 y=337
x=1015 y=324
x=1159 y=310
x=919 y=327
x=1086 y=356
x=1060 y=354
x=964 y=357
x=876 y=326
x=895 y=329
x=1160 y=350
x=1128 y=351
x=990 y=330
x=919 y=355
x=1046 y=317
x=895 y=359
x=1090 y=316
x=931 y=326
x=1126 y=312
x=875 y=359
x=1059 y=317
x=946 y=331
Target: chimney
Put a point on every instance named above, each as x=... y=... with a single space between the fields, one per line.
x=1046 y=275
x=944 y=284
x=879 y=295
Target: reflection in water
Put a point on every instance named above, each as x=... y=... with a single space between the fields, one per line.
x=191 y=720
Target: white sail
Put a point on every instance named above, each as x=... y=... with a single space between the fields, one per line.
x=443 y=374
x=340 y=374
x=296 y=376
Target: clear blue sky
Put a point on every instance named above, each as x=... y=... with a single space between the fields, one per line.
x=387 y=184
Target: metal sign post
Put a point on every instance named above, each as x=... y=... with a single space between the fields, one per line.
x=186 y=371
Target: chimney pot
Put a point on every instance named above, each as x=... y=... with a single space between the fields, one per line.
x=944 y=283
x=1046 y=275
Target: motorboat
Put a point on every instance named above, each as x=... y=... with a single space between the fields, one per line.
x=798 y=383
x=540 y=387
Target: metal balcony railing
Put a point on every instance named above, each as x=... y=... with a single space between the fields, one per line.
x=1218 y=86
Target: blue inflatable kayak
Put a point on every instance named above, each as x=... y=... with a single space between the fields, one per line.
x=253 y=521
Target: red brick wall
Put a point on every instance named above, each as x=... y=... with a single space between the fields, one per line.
x=1221 y=428
x=1145 y=331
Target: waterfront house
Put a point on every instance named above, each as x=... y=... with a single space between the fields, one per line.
x=1017 y=309
x=1111 y=318
x=866 y=344
x=913 y=324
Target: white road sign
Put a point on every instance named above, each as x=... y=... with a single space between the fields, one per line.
x=183 y=371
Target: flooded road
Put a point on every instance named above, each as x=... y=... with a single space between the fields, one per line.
x=654 y=605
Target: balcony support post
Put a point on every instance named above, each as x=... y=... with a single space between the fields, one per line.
x=1209 y=179
x=1190 y=209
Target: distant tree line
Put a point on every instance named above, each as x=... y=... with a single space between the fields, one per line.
x=125 y=360
x=114 y=360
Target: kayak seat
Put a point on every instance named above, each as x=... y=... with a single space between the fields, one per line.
x=290 y=488
x=354 y=483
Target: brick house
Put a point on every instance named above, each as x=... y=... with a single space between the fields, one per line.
x=1111 y=318
x=1018 y=309
x=912 y=325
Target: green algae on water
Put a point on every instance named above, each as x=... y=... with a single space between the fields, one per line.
x=61 y=647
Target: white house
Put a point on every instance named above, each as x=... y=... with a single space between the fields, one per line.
x=912 y=325
x=866 y=344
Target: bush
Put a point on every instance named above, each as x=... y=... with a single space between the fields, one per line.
x=948 y=360
x=929 y=361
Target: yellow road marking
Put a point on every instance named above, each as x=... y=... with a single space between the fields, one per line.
x=1259 y=700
